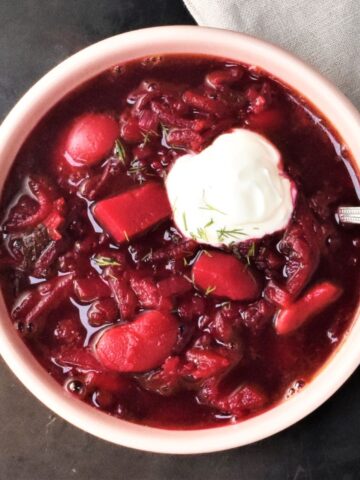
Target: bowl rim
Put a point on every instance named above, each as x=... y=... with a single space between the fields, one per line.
x=73 y=72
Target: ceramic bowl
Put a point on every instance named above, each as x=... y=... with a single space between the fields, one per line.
x=85 y=65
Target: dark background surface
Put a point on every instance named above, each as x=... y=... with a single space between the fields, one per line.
x=35 y=35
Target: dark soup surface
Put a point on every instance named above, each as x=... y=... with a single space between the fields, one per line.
x=127 y=311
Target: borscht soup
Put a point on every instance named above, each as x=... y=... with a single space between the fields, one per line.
x=170 y=251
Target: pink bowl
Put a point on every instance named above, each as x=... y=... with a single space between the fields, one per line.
x=88 y=63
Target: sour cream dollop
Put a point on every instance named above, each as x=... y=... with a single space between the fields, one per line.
x=232 y=191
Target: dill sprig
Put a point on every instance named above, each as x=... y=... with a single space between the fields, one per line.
x=147 y=136
x=224 y=233
x=189 y=279
x=164 y=129
x=106 y=262
x=174 y=205
x=209 y=290
x=136 y=168
x=119 y=151
x=184 y=220
x=201 y=233
x=209 y=207
x=251 y=252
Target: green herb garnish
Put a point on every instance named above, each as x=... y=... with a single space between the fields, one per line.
x=191 y=280
x=250 y=253
x=164 y=129
x=224 y=233
x=209 y=290
x=210 y=222
x=136 y=168
x=201 y=234
x=106 y=262
x=209 y=207
x=146 y=137
x=173 y=205
x=119 y=151
x=184 y=220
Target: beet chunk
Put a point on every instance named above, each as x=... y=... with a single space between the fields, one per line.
x=102 y=311
x=69 y=330
x=149 y=294
x=173 y=286
x=124 y=296
x=133 y=212
x=245 y=399
x=109 y=381
x=218 y=79
x=138 y=346
x=257 y=315
x=79 y=358
x=267 y=121
x=165 y=381
x=90 y=289
x=313 y=302
x=206 y=363
x=301 y=246
x=223 y=275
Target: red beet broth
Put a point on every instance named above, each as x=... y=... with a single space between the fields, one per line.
x=65 y=279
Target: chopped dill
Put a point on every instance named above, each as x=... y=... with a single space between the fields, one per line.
x=106 y=261
x=147 y=136
x=251 y=252
x=119 y=151
x=173 y=205
x=191 y=280
x=209 y=290
x=184 y=220
x=201 y=234
x=164 y=129
x=209 y=207
x=210 y=222
x=224 y=233
x=136 y=168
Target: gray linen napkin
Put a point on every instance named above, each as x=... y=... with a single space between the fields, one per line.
x=324 y=33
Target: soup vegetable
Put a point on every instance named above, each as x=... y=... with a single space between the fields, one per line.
x=155 y=308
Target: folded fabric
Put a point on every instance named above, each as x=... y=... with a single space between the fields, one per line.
x=324 y=33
